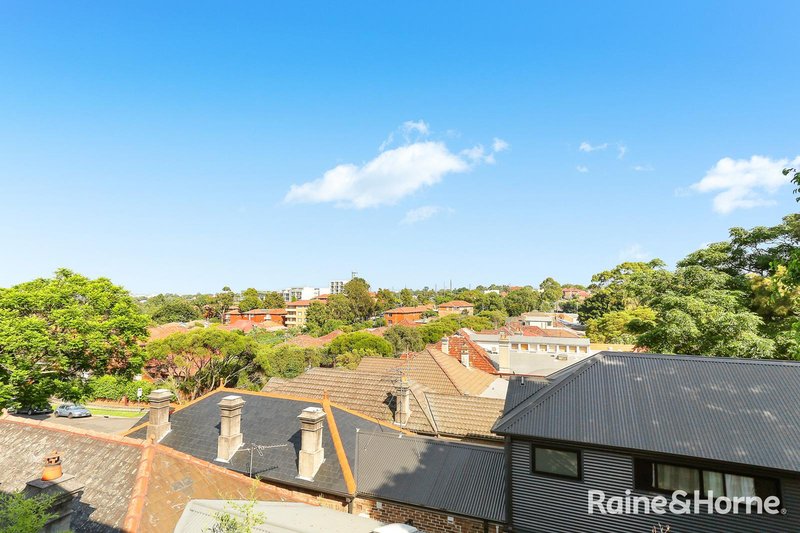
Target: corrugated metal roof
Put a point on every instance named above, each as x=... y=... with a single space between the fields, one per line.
x=521 y=388
x=725 y=409
x=463 y=479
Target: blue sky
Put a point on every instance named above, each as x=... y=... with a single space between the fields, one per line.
x=187 y=146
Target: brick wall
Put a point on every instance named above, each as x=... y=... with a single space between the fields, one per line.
x=424 y=519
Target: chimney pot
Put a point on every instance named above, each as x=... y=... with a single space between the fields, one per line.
x=158 y=424
x=312 y=454
x=230 y=434
x=52 y=466
x=465 y=356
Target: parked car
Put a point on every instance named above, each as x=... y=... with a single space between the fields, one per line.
x=71 y=410
x=31 y=410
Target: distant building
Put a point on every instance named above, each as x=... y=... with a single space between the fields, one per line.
x=456 y=307
x=405 y=315
x=296 y=313
x=303 y=293
x=571 y=293
x=337 y=286
x=547 y=320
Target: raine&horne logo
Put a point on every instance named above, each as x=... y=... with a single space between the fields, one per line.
x=678 y=503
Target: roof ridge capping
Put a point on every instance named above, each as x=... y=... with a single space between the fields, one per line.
x=705 y=358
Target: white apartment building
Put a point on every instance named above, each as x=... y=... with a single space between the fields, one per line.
x=337 y=286
x=303 y=293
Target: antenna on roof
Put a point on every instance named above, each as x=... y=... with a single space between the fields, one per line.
x=522 y=380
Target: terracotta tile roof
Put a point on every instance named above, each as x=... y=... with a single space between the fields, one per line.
x=265 y=312
x=456 y=303
x=379 y=331
x=165 y=330
x=130 y=485
x=409 y=310
x=558 y=332
x=299 y=303
x=465 y=416
x=307 y=341
x=478 y=358
x=365 y=392
x=432 y=368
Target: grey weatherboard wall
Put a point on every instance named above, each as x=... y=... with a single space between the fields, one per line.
x=541 y=504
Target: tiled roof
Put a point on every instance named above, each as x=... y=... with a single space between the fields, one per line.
x=307 y=341
x=299 y=303
x=478 y=358
x=165 y=330
x=432 y=368
x=128 y=484
x=465 y=416
x=678 y=405
x=368 y=393
x=454 y=477
x=270 y=419
x=456 y=303
x=408 y=310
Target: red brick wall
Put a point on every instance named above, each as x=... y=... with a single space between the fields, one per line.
x=424 y=519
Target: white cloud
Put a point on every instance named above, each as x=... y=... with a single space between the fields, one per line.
x=586 y=147
x=582 y=169
x=744 y=183
x=423 y=213
x=392 y=175
x=643 y=168
x=499 y=145
x=634 y=252
x=621 y=150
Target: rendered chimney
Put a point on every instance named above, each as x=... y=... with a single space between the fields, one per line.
x=446 y=345
x=402 y=408
x=158 y=424
x=312 y=454
x=465 y=356
x=504 y=358
x=230 y=424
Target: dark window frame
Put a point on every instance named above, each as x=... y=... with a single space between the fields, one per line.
x=643 y=466
x=576 y=451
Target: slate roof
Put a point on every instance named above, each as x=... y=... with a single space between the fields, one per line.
x=715 y=408
x=435 y=370
x=365 y=392
x=128 y=485
x=267 y=420
x=458 y=478
x=465 y=416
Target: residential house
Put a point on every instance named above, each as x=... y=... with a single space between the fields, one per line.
x=264 y=315
x=456 y=307
x=571 y=293
x=644 y=425
x=381 y=395
x=296 y=313
x=308 y=341
x=532 y=349
x=547 y=320
x=112 y=483
x=405 y=315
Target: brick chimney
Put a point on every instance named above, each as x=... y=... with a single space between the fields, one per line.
x=402 y=407
x=65 y=489
x=230 y=424
x=503 y=358
x=465 y=356
x=446 y=345
x=158 y=424
x=312 y=454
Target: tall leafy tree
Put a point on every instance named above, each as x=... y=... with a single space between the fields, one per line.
x=273 y=300
x=250 y=300
x=55 y=332
x=357 y=291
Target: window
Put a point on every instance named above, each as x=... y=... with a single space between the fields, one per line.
x=557 y=462
x=666 y=477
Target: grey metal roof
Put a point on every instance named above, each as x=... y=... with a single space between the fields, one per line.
x=520 y=388
x=459 y=478
x=271 y=423
x=717 y=408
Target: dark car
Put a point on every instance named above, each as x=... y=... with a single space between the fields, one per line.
x=31 y=410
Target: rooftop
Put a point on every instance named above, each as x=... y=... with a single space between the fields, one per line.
x=456 y=303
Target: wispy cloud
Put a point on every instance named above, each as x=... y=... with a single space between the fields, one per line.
x=643 y=168
x=499 y=145
x=582 y=169
x=621 y=150
x=586 y=147
x=423 y=213
x=744 y=183
x=394 y=173
x=634 y=252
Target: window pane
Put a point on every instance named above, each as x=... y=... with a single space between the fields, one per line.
x=714 y=482
x=556 y=462
x=677 y=478
x=739 y=486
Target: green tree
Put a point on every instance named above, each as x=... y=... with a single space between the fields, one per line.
x=404 y=338
x=522 y=301
x=202 y=358
x=21 y=514
x=348 y=349
x=613 y=327
x=250 y=300
x=287 y=360
x=53 y=331
x=273 y=300
x=407 y=298
x=550 y=293
x=223 y=302
x=361 y=302
x=175 y=309
x=386 y=299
